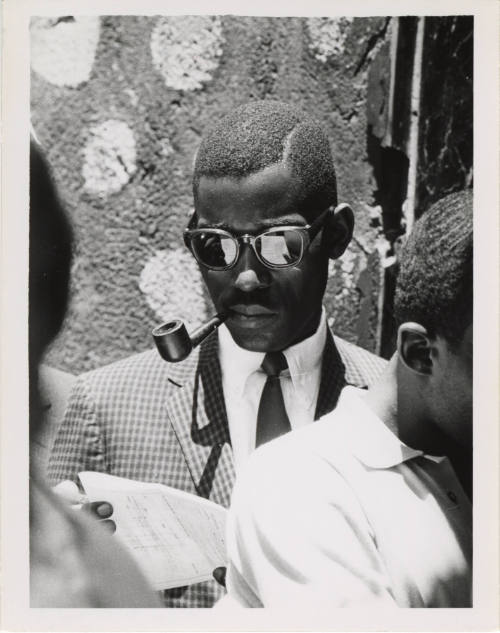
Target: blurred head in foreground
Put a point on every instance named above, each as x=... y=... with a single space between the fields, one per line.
x=50 y=242
x=73 y=562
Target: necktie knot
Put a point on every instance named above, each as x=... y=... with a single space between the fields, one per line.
x=274 y=363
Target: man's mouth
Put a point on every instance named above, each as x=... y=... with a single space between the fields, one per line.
x=251 y=310
x=250 y=314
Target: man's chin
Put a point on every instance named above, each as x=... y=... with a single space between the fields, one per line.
x=255 y=340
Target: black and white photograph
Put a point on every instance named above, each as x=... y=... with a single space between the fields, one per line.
x=254 y=273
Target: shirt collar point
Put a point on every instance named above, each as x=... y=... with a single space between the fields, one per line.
x=372 y=442
x=389 y=459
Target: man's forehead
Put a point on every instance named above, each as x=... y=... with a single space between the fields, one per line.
x=275 y=180
x=263 y=199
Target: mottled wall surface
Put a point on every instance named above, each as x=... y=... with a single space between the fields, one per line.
x=445 y=143
x=119 y=104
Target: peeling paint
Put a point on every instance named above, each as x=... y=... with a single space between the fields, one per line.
x=132 y=94
x=166 y=147
x=375 y=214
x=186 y=50
x=347 y=264
x=63 y=51
x=384 y=249
x=173 y=287
x=109 y=157
x=328 y=36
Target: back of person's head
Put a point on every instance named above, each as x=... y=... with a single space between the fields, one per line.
x=50 y=241
x=263 y=133
x=434 y=286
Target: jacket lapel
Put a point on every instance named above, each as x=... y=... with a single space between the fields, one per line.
x=332 y=378
x=197 y=411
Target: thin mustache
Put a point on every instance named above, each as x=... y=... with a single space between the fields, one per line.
x=247 y=299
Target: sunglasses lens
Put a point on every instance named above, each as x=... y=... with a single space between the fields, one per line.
x=280 y=248
x=214 y=250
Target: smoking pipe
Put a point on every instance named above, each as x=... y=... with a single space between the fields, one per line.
x=175 y=344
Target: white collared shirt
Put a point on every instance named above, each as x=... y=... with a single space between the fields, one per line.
x=342 y=513
x=243 y=381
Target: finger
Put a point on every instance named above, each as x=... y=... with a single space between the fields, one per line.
x=100 y=509
x=108 y=525
x=68 y=491
x=219 y=573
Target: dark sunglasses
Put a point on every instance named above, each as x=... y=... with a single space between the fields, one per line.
x=277 y=247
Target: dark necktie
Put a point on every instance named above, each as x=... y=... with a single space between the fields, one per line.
x=272 y=419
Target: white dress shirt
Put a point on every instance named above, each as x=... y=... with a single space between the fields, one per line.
x=243 y=381
x=352 y=516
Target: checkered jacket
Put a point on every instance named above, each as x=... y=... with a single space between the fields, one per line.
x=149 y=420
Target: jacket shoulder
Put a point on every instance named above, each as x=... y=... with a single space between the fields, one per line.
x=145 y=369
x=362 y=368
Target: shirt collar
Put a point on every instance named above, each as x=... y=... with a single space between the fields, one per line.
x=236 y=363
x=368 y=438
x=303 y=358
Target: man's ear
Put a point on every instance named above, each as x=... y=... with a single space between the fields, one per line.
x=340 y=226
x=415 y=348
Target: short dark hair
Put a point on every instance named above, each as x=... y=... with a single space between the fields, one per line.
x=50 y=242
x=262 y=133
x=434 y=285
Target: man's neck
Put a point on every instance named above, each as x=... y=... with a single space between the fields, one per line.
x=382 y=397
x=397 y=402
x=309 y=328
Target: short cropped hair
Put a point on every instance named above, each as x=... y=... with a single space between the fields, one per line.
x=434 y=285
x=263 y=133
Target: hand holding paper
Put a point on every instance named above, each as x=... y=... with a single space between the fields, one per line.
x=176 y=538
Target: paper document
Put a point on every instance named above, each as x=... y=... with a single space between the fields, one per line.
x=176 y=538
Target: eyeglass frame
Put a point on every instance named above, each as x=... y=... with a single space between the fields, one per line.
x=309 y=231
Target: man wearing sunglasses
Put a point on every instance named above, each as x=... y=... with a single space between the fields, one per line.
x=265 y=225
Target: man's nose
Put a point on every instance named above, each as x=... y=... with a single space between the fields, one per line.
x=250 y=273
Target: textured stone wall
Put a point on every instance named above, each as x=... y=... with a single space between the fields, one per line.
x=119 y=104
